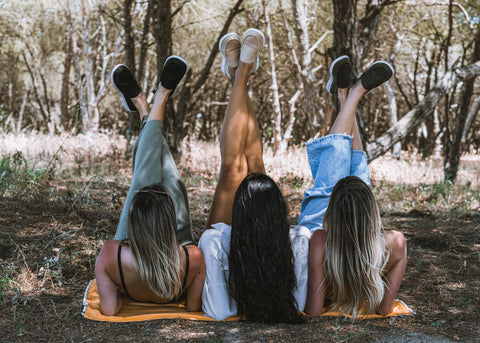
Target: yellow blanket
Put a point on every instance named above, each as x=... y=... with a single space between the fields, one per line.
x=132 y=311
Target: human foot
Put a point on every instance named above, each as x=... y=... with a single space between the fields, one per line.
x=253 y=41
x=229 y=47
x=124 y=82
x=174 y=68
x=340 y=71
x=378 y=73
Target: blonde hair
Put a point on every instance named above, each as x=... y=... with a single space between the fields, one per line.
x=355 y=253
x=152 y=232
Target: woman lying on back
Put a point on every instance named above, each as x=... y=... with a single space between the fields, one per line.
x=353 y=265
x=151 y=266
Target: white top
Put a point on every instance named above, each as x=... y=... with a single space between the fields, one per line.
x=215 y=246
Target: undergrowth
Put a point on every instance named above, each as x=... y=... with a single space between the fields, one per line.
x=19 y=176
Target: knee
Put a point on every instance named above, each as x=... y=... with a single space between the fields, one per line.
x=233 y=170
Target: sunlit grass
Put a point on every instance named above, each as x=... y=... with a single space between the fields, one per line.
x=84 y=162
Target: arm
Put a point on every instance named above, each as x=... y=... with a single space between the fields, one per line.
x=193 y=301
x=216 y=300
x=110 y=296
x=316 y=274
x=394 y=270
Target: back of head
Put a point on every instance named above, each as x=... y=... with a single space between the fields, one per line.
x=355 y=248
x=152 y=231
x=261 y=268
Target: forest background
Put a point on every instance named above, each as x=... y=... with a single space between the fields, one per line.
x=65 y=143
x=56 y=57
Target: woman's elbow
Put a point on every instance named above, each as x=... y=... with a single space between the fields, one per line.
x=109 y=310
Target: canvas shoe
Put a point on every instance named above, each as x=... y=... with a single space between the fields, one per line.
x=340 y=71
x=124 y=82
x=378 y=73
x=229 y=47
x=174 y=69
x=253 y=41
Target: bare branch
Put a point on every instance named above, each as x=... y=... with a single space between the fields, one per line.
x=415 y=116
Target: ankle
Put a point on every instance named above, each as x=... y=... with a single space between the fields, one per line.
x=140 y=102
x=358 y=89
x=243 y=71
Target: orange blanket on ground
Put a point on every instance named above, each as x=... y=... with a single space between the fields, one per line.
x=132 y=311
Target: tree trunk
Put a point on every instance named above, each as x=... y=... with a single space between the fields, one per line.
x=470 y=118
x=144 y=44
x=67 y=64
x=452 y=159
x=277 y=112
x=162 y=30
x=345 y=36
x=414 y=117
x=129 y=39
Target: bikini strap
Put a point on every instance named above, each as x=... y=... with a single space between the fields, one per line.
x=187 y=265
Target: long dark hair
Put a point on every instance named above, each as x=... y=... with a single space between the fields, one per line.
x=261 y=265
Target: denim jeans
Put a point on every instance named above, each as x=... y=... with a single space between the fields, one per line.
x=331 y=158
x=153 y=163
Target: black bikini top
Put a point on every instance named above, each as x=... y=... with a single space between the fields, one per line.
x=120 y=270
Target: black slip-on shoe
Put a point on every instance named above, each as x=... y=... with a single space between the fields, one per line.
x=124 y=82
x=340 y=71
x=174 y=69
x=378 y=73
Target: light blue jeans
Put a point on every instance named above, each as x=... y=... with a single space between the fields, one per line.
x=153 y=163
x=331 y=158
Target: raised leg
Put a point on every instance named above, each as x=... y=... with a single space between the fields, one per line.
x=240 y=147
x=349 y=99
x=153 y=163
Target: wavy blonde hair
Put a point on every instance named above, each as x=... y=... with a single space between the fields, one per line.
x=152 y=232
x=355 y=253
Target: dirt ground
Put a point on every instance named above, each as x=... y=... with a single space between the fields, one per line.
x=49 y=242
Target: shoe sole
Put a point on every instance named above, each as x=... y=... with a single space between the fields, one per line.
x=379 y=62
x=330 y=81
x=221 y=47
x=124 y=100
x=246 y=33
x=181 y=59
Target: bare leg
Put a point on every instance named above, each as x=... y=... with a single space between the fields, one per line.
x=240 y=148
x=345 y=122
x=141 y=104
x=158 y=108
x=253 y=147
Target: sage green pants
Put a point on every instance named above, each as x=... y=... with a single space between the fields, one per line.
x=153 y=163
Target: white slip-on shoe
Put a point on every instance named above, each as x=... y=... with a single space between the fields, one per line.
x=229 y=47
x=252 y=42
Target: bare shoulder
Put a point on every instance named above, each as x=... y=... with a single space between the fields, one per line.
x=195 y=257
x=396 y=243
x=317 y=245
x=318 y=239
x=107 y=254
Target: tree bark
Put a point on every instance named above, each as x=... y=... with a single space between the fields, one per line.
x=277 y=111
x=67 y=64
x=144 y=44
x=470 y=117
x=129 y=38
x=414 y=117
x=162 y=30
x=452 y=159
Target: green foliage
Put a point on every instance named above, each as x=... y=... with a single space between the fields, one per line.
x=18 y=177
x=7 y=284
